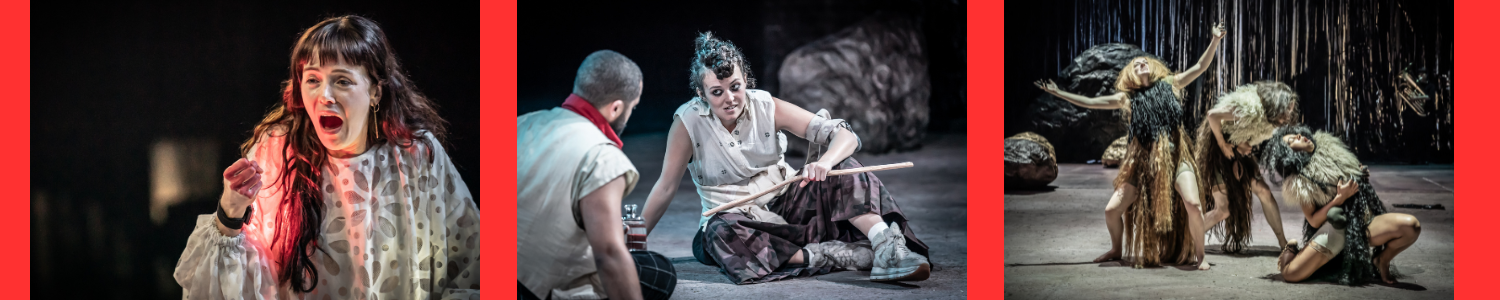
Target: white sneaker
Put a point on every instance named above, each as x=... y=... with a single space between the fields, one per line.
x=893 y=261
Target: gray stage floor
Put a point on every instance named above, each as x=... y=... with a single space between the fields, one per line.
x=933 y=194
x=1051 y=237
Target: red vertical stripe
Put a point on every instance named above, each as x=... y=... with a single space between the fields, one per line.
x=986 y=121
x=497 y=175
x=1474 y=146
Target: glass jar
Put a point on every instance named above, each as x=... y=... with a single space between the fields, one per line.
x=635 y=228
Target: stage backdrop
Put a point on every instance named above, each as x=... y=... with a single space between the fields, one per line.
x=658 y=36
x=1344 y=59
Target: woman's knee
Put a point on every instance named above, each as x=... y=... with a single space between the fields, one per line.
x=1403 y=223
x=1119 y=201
x=1114 y=209
x=1409 y=224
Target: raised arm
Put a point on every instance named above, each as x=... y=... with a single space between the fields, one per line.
x=679 y=151
x=1111 y=101
x=1187 y=76
x=219 y=259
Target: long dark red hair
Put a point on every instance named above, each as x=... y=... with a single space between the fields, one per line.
x=403 y=113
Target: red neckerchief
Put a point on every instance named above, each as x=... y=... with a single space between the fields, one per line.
x=578 y=105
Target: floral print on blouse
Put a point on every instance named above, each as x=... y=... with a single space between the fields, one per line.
x=398 y=223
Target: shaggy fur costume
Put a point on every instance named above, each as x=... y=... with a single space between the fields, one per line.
x=1312 y=179
x=1234 y=176
x=1250 y=126
x=1155 y=230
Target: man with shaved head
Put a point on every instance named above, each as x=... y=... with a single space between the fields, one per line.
x=571 y=177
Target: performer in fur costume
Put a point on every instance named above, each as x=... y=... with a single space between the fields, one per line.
x=1158 y=167
x=1226 y=170
x=1327 y=181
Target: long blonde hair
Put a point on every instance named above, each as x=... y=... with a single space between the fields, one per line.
x=1128 y=82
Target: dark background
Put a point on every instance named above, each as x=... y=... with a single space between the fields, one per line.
x=109 y=79
x=555 y=37
x=1378 y=38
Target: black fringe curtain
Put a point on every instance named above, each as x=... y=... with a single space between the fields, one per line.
x=1344 y=58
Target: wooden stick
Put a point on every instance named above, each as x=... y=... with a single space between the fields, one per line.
x=752 y=197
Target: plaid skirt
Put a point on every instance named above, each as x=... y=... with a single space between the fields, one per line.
x=748 y=251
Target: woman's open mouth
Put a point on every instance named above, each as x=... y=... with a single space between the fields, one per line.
x=330 y=124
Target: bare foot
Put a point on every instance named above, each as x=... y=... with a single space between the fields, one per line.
x=1113 y=254
x=1385 y=273
x=1287 y=255
x=1203 y=265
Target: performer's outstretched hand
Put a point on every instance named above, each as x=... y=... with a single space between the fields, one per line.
x=241 y=183
x=1047 y=86
x=1219 y=31
x=816 y=171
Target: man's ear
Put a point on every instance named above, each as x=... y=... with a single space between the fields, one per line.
x=616 y=109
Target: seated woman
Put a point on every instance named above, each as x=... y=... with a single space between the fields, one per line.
x=728 y=138
x=1357 y=222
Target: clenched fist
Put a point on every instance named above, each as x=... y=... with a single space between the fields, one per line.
x=241 y=183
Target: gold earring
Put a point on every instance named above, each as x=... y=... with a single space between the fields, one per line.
x=377 y=119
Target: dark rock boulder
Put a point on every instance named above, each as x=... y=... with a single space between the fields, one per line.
x=872 y=74
x=1030 y=161
x=1093 y=72
x=1080 y=133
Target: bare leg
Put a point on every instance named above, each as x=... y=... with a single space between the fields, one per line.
x=1305 y=263
x=1272 y=210
x=1220 y=212
x=865 y=221
x=796 y=258
x=1187 y=186
x=1123 y=197
x=1397 y=231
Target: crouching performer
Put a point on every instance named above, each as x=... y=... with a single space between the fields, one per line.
x=1346 y=222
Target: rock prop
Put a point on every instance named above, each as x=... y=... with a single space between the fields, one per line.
x=1030 y=161
x=1115 y=154
x=872 y=74
x=1093 y=72
x=1081 y=133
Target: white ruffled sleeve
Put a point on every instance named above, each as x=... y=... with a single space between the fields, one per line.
x=215 y=266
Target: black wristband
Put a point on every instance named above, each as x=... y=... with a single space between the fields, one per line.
x=233 y=223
